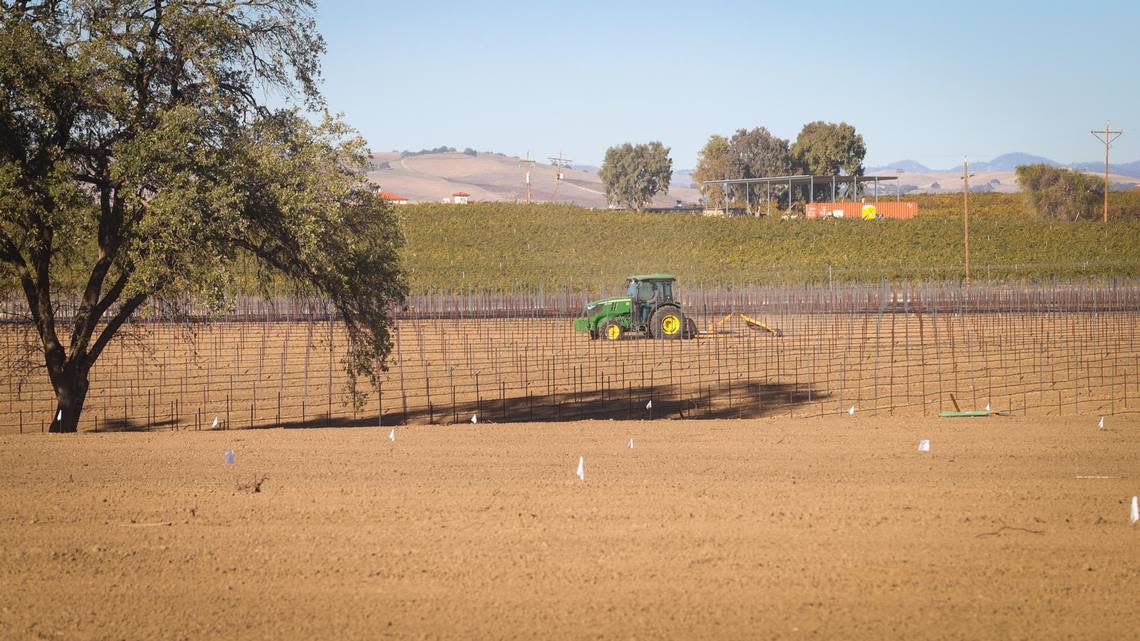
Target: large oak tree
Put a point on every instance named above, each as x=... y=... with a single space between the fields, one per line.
x=140 y=158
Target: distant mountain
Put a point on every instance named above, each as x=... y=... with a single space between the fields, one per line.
x=904 y=166
x=1130 y=169
x=1007 y=162
x=1010 y=162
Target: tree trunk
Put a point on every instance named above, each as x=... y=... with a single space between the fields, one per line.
x=70 y=393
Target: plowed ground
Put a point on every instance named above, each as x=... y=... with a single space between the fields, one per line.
x=834 y=528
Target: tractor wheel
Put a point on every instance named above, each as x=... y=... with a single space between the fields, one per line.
x=691 y=330
x=668 y=323
x=611 y=330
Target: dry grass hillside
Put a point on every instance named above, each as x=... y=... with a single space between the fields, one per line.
x=494 y=177
x=941 y=182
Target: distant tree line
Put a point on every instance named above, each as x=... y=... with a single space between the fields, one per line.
x=438 y=150
x=820 y=149
x=634 y=174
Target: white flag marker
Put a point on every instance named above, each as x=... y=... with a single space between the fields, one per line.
x=851 y=411
x=649 y=405
x=1100 y=424
x=924 y=445
x=214 y=425
x=581 y=468
x=631 y=444
x=1135 y=511
x=59 y=416
x=988 y=407
x=474 y=418
x=392 y=435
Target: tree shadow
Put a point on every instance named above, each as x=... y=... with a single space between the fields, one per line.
x=128 y=425
x=718 y=401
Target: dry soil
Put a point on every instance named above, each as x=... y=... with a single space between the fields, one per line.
x=834 y=528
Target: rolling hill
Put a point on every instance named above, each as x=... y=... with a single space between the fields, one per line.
x=496 y=177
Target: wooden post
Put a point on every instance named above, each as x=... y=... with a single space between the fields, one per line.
x=1110 y=136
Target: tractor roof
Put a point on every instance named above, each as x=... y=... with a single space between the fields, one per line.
x=652 y=277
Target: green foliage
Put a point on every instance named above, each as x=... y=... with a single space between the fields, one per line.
x=1055 y=192
x=502 y=246
x=1124 y=205
x=443 y=149
x=634 y=174
x=828 y=149
x=714 y=162
x=821 y=149
x=756 y=153
x=136 y=163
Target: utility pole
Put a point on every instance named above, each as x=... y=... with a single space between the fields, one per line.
x=1110 y=137
x=527 y=164
x=966 y=214
x=559 y=163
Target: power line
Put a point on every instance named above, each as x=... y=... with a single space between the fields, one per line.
x=559 y=163
x=966 y=214
x=527 y=164
x=1110 y=137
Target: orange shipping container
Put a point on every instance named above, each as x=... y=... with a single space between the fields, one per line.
x=886 y=209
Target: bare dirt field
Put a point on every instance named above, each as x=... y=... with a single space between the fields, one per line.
x=832 y=528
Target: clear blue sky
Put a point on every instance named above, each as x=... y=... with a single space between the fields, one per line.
x=930 y=83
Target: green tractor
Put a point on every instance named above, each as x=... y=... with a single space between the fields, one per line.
x=648 y=308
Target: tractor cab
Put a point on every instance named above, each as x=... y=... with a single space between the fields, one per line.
x=646 y=287
x=647 y=293
x=648 y=308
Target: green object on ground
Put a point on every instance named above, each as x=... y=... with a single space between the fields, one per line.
x=962 y=414
x=651 y=311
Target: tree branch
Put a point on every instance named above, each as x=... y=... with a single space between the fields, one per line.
x=91 y=308
x=10 y=253
x=125 y=311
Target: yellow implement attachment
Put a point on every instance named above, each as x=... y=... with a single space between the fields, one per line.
x=719 y=325
x=755 y=324
x=717 y=328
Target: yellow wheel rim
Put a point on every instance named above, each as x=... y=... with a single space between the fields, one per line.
x=613 y=332
x=670 y=325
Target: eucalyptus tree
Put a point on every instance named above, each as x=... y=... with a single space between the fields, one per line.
x=634 y=174
x=146 y=146
x=757 y=153
x=714 y=161
x=828 y=149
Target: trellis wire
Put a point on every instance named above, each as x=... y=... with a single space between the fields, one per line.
x=1059 y=348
